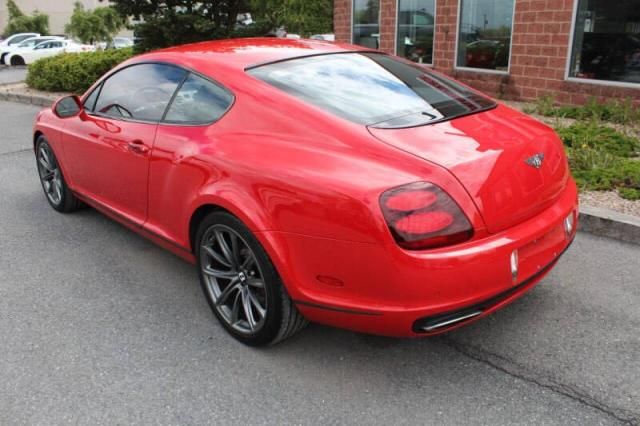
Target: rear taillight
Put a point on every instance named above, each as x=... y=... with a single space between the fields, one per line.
x=422 y=216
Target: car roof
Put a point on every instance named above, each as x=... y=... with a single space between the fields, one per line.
x=247 y=52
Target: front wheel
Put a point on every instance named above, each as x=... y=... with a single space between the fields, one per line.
x=241 y=284
x=55 y=187
x=17 y=60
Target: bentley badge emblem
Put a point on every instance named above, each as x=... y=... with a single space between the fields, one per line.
x=536 y=160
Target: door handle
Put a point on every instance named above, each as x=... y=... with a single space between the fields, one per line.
x=138 y=147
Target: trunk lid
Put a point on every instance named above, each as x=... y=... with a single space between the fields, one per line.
x=493 y=154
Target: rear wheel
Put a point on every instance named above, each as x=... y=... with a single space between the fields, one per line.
x=55 y=188
x=241 y=284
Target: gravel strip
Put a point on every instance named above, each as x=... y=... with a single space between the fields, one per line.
x=610 y=200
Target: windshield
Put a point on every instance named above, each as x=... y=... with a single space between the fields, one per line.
x=373 y=89
x=32 y=42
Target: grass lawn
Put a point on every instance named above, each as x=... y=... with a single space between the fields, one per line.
x=601 y=140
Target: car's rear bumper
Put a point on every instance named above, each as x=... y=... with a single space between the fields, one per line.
x=383 y=289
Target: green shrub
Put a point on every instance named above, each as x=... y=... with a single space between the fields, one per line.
x=616 y=111
x=73 y=72
x=603 y=159
x=600 y=171
x=600 y=138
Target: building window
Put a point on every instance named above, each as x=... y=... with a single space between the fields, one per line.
x=415 y=30
x=366 y=23
x=484 y=34
x=606 y=42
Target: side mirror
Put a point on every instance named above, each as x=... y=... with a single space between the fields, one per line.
x=66 y=107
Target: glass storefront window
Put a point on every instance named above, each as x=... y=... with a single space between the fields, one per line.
x=484 y=34
x=366 y=23
x=606 y=42
x=415 y=30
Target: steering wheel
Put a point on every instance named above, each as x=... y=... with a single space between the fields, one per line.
x=118 y=108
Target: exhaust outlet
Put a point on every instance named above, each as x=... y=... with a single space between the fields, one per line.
x=450 y=320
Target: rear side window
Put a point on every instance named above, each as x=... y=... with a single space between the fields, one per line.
x=140 y=92
x=198 y=101
x=373 y=89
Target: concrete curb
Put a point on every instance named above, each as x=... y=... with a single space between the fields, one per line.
x=607 y=223
x=25 y=99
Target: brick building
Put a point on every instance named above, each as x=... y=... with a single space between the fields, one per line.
x=515 y=49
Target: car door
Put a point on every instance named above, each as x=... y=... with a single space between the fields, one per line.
x=47 y=49
x=186 y=137
x=35 y=53
x=107 y=146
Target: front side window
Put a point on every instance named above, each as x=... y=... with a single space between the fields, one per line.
x=373 y=89
x=416 y=25
x=198 y=101
x=484 y=34
x=366 y=23
x=90 y=101
x=606 y=42
x=140 y=92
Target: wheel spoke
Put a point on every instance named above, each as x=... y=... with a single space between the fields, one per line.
x=45 y=164
x=235 y=309
x=217 y=257
x=255 y=282
x=248 y=312
x=235 y=250
x=226 y=251
x=57 y=187
x=248 y=261
x=233 y=286
x=254 y=301
x=208 y=270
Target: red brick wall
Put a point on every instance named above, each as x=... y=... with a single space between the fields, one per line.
x=539 y=53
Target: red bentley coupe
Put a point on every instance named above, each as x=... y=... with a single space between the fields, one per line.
x=312 y=181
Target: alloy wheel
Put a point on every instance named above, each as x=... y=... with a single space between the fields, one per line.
x=50 y=175
x=233 y=279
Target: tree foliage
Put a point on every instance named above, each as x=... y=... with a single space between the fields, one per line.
x=21 y=23
x=304 y=17
x=169 y=22
x=99 y=24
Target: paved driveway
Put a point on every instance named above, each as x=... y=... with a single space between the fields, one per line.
x=99 y=326
x=12 y=74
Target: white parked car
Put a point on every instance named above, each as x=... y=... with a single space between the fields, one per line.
x=16 y=38
x=29 y=55
x=325 y=37
x=120 y=42
x=28 y=43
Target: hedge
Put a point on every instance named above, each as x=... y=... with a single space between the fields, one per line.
x=73 y=72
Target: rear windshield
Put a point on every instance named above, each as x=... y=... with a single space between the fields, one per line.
x=373 y=89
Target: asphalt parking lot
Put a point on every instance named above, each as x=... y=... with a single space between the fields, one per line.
x=99 y=326
x=12 y=74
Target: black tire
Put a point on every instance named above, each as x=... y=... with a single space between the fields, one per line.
x=66 y=201
x=282 y=320
x=17 y=60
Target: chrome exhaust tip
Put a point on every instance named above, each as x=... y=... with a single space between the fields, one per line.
x=450 y=321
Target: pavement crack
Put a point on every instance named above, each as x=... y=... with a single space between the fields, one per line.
x=2 y=154
x=518 y=371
